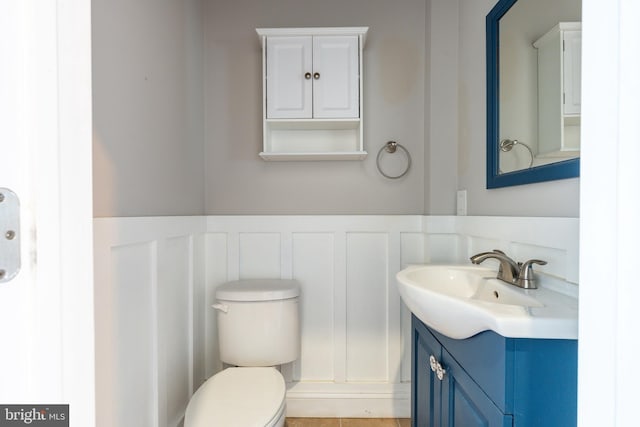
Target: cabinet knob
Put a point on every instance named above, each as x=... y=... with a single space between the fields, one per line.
x=437 y=367
x=316 y=76
x=440 y=371
x=307 y=76
x=433 y=363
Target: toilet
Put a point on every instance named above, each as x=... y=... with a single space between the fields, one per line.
x=258 y=330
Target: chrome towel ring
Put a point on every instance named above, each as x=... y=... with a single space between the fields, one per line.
x=507 y=145
x=391 y=147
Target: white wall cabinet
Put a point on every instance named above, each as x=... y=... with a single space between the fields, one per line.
x=312 y=93
x=559 y=79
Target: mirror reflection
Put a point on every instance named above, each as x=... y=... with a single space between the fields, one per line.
x=539 y=84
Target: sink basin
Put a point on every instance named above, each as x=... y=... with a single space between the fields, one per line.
x=460 y=301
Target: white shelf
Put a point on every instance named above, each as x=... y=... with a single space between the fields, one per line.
x=313 y=156
x=572 y=120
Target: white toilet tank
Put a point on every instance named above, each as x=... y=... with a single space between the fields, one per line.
x=258 y=322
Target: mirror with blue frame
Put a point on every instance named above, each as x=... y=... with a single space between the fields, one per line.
x=533 y=91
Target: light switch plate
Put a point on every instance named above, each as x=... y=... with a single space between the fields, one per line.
x=461 y=202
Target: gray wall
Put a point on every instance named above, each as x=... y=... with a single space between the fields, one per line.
x=177 y=112
x=239 y=182
x=147 y=107
x=441 y=147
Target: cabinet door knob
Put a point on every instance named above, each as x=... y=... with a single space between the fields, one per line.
x=316 y=76
x=433 y=363
x=307 y=76
x=440 y=371
x=437 y=367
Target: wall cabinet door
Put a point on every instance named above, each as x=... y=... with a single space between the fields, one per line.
x=312 y=77
x=572 y=75
x=288 y=79
x=335 y=77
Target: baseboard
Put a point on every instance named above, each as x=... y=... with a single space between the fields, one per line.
x=349 y=400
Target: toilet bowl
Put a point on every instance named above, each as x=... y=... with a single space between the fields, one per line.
x=239 y=397
x=258 y=328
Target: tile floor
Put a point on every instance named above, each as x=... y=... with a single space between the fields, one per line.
x=348 y=422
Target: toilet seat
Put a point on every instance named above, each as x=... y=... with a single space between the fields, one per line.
x=238 y=397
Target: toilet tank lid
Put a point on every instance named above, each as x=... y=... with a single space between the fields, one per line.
x=258 y=290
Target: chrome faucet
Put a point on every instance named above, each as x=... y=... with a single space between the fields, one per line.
x=515 y=273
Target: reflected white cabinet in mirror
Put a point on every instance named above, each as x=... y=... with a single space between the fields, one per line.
x=559 y=77
x=312 y=93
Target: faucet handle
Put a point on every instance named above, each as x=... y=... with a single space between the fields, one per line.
x=501 y=272
x=526 y=270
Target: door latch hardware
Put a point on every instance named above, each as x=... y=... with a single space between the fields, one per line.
x=9 y=235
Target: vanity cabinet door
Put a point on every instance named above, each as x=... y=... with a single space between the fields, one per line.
x=426 y=405
x=455 y=400
x=464 y=403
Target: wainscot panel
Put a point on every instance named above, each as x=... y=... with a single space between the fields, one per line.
x=354 y=361
x=155 y=282
x=148 y=272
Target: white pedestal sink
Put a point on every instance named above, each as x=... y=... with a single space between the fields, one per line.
x=460 y=301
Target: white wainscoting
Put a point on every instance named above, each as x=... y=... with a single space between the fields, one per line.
x=353 y=360
x=156 y=280
x=148 y=273
x=555 y=240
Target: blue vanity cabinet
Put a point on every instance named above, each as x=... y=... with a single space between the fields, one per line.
x=492 y=381
x=454 y=400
